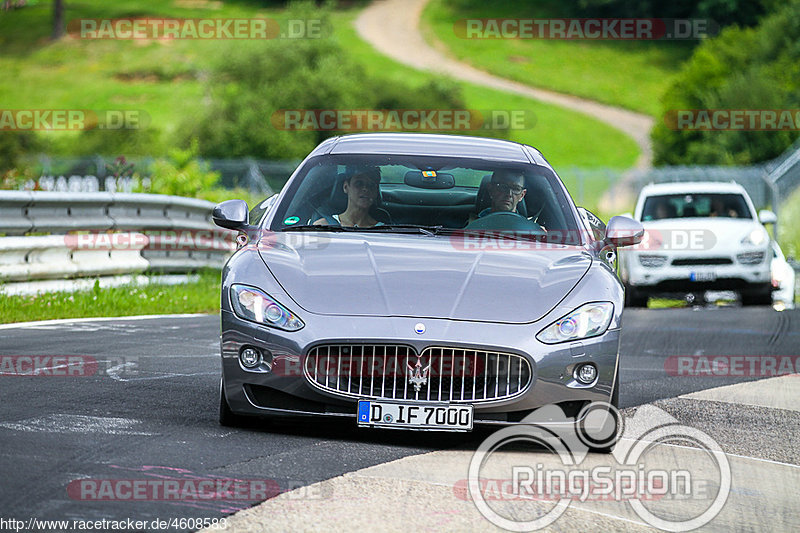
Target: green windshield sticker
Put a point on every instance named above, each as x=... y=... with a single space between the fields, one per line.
x=291 y=220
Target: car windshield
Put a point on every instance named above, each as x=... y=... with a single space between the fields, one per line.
x=695 y=205
x=434 y=195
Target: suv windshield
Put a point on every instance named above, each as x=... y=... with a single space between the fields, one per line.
x=397 y=193
x=695 y=205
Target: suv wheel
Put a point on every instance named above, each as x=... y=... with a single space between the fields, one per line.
x=635 y=297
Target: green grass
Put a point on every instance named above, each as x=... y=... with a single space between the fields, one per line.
x=563 y=136
x=163 y=78
x=629 y=74
x=197 y=297
x=788 y=229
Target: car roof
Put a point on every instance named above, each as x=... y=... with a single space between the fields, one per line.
x=431 y=144
x=682 y=187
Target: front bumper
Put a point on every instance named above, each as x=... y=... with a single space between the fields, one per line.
x=676 y=278
x=284 y=390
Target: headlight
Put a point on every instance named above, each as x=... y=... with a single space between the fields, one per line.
x=750 y=258
x=588 y=320
x=255 y=305
x=652 y=261
x=756 y=237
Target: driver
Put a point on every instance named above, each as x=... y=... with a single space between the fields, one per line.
x=506 y=189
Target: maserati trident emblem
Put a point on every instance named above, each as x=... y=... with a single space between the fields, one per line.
x=418 y=376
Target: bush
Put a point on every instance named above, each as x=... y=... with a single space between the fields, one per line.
x=14 y=145
x=756 y=68
x=252 y=81
x=181 y=174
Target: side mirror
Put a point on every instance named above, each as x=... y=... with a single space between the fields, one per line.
x=765 y=216
x=624 y=231
x=231 y=214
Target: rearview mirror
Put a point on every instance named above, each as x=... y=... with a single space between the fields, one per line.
x=624 y=231
x=231 y=214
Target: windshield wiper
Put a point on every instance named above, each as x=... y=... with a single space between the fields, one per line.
x=430 y=231
x=321 y=227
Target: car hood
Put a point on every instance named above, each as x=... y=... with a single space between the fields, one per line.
x=697 y=236
x=420 y=276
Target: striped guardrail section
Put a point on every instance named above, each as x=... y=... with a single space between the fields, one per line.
x=55 y=235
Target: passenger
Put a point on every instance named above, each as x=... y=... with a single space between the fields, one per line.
x=664 y=209
x=362 y=192
x=720 y=209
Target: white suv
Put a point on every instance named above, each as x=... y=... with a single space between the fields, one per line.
x=699 y=236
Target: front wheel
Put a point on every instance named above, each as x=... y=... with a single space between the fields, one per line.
x=227 y=417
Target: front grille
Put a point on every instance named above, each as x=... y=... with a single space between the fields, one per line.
x=700 y=261
x=391 y=372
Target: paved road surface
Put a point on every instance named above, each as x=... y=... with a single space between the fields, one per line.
x=150 y=411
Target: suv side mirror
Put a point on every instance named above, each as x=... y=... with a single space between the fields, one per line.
x=624 y=231
x=765 y=216
x=231 y=214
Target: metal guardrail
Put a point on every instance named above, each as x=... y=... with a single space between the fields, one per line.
x=95 y=173
x=101 y=234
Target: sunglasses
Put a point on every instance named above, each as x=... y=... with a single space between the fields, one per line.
x=505 y=188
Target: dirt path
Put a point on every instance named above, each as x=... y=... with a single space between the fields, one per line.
x=392 y=27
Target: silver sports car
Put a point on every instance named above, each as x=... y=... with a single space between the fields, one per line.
x=420 y=282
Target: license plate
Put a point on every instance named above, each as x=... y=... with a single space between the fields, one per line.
x=415 y=416
x=703 y=276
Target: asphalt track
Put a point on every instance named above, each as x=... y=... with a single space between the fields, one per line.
x=148 y=411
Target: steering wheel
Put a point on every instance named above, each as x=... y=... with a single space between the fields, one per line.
x=506 y=221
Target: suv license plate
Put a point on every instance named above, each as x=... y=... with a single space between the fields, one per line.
x=703 y=276
x=441 y=417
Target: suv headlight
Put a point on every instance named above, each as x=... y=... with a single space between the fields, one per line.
x=757 y=237
x=257 y=306
x=652 y=261
x=589 y=320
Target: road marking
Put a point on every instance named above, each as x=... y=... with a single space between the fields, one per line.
x=115 y=371
x=64 y=423
x=96 y=319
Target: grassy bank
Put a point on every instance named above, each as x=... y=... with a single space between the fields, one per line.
x=163 y=78
x=629 y=74
x=201 y=296
x=564 y=137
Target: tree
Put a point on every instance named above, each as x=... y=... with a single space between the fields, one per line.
x=58 y=19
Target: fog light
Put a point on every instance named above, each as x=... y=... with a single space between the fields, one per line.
x=586 y=374
x=250 y=357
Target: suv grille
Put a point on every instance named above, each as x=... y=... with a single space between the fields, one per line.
x=700 y=261
x=392 y=372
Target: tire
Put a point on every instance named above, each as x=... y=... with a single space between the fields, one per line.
x=227 y=417
x=762 y=297
x=615 y=402
x=615 y=395
x=635 y=297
